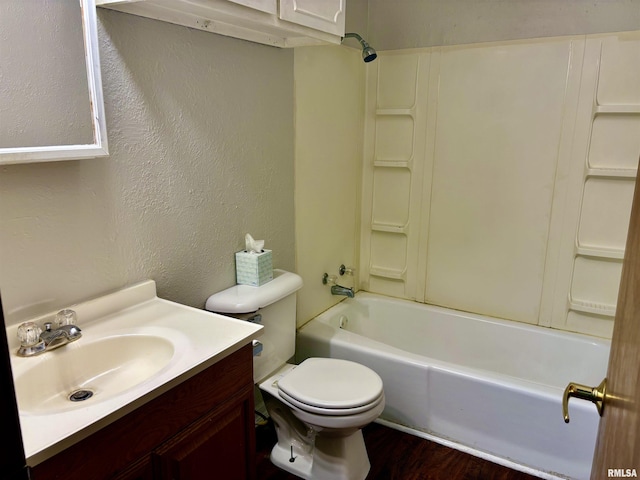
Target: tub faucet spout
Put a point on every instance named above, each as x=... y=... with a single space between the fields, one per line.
x=339 y=290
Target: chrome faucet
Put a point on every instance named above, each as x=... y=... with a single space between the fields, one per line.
x=34 y=341
x=335 y=288
x=340 y=290
x=59 y=336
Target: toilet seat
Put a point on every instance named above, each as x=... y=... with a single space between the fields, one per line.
x=329 y=411
x=329 y=386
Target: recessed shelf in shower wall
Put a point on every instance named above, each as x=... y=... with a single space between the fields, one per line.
x=593 y=308
x=617 y=254
x=382 y=227
x=389 y=273
x=394 y=138
x=399 y=234
x=579 y=309
x=613 y=142
x=394 y=162
x=594 y=287
x=610 y=170
x=617 y=109
x=605 y=212
x=410 y=112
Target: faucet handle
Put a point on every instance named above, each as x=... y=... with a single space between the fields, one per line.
x=346 y=270
x=29 y=334
x=329 y=279
x=66 y=317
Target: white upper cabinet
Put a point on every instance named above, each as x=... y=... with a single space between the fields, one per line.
x=278 y=23
x=269 y=6
x=327 y=15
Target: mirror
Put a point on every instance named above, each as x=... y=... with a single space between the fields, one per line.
x=51 y=105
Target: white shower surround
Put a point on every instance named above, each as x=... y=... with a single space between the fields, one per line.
x=497 y=177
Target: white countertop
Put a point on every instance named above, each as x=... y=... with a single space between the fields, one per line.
x=200 y=339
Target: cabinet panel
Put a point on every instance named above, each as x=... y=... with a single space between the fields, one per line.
x=269 y=6
x=327 y=16
x=219 y=443
x=141 y=470
x=306 y=24
x=105 y=455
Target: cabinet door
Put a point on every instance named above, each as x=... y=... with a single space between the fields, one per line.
x=269 y=6
x=218 y=446
x=327 y=15
x=140 y=470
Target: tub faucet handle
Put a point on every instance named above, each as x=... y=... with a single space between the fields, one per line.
x=329 y=279
x=346 y=270
x=596 y=395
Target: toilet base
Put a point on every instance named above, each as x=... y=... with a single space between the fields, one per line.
x=331 y=458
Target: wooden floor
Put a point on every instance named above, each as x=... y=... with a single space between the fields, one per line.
x=399 y=456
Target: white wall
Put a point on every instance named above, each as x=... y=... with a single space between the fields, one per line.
x=357 y=19
x=423 y=23
x=329 y=94
x=201 y=152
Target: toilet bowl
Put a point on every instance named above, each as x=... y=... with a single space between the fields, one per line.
x=318 y=407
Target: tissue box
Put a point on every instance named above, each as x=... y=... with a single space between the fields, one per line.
x=254 y=269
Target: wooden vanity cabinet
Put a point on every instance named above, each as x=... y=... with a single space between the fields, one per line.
x=202 y=428
x=212 y=447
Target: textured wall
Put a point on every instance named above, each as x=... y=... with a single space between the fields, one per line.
x=424 y=23
x=201 y=140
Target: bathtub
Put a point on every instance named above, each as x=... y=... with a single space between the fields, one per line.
x=489 y=387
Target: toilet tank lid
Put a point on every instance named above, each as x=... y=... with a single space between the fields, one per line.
x=246 y=299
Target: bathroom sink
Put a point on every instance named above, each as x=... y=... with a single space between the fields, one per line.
x=134 y=347
x=85 y=373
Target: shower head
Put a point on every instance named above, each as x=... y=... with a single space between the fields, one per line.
x=368 y=53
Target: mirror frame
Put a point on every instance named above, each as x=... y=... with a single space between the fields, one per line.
x=99 y=147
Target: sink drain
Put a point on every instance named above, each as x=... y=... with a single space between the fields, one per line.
x=80 y=395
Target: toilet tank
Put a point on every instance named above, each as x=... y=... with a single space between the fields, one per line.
x=275 y=302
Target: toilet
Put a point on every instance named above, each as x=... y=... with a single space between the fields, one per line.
x=318 y=407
